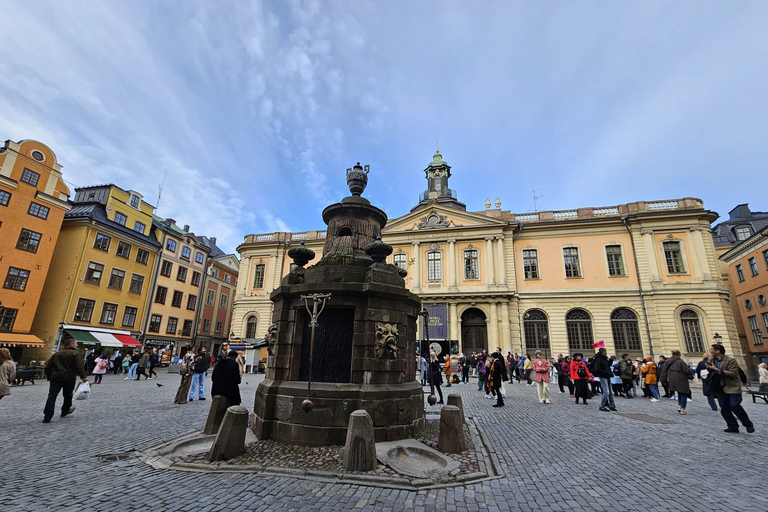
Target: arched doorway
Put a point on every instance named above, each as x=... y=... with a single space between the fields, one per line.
x=536 y=332
x=250 y=327
x=626 y=333
x=578 y=325
x=474 y=333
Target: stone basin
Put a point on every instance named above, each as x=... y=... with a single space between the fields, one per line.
x=412 y=458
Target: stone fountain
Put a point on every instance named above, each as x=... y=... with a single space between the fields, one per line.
x=363 y=355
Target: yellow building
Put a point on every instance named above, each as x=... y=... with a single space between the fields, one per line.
x=641 y=276
x=98 y=285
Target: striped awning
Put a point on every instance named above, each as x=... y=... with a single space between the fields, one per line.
x=128 y=341
x=10 y=339
x=105 y=339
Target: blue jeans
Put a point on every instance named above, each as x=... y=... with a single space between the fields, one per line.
x=198 y=381
x=682 y=400
x=712 y=403
x=132 y=370
x=654 y=390
x=607 y=399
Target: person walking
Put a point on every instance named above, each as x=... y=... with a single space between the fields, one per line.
x=142 y=366
x=727 y=384
x=154 y=360
x=520 y=368
x=436 y=379
x=704 y=376
x=126 y=364
x=675 y=376
x=135 y=358
x=186 y=370
x=541 y=375
x=101 y=365
x=626 y=375
x=7 y=372
x=659 y=369
x=528 y=369
x=202 y=363
x=448 y=372
x=567 y=375
x=226 y=379
x=496 y=377
x=61 y=371
x=616 y=383
x=649 y=375
x=480 y=369
x=580 y=376
x=511 y=365
x=116 y=361
x=424 y=369
x=762 y=373
x=602 y=370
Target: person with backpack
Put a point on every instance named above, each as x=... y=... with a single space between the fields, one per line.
x=101 y=365
x=616 y=384
x=675 y=375
x=626 y=375
x=580 y=376
x=566 y=367
x=725 y=381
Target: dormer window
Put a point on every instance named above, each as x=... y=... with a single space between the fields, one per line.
x=135 y=201
x=743 y=232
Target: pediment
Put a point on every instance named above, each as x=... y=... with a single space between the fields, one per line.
x=439 y=217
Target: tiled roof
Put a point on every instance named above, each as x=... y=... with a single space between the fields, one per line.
x=95 y=212
x=724 y=233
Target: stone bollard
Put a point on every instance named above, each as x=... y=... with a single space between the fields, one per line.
x=360 y=448
x=230 y=439
x=455 y=399
x=216 y=413
x=451 y=431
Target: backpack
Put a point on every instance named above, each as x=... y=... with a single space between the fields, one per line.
x=743 y=377
x=581 y=371
x=617 y=370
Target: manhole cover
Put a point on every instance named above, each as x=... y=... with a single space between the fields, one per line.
x=647 y=418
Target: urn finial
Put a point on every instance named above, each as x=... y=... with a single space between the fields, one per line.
x=357 y=178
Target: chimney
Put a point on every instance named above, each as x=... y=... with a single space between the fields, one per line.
x=740 y=212
x=186 y=228
x=212 y=239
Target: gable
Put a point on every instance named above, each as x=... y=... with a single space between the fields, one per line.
x=440 y=217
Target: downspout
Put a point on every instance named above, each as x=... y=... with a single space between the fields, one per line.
x=639 y=285
x=519 y=318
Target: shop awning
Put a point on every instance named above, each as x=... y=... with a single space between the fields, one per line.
x=128 y=341
x=105 y=339
x=9 y=339
x=84 y=337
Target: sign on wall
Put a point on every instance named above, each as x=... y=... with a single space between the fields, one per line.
x=438 y=321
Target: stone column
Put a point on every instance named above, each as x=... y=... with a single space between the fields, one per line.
x=490 y=274
x=506 y=331
x=493 y=328
x=650 y=254
x=453 y=318
x=502 y=265
x=452 y=270
x=416 y=255
x=698 y=242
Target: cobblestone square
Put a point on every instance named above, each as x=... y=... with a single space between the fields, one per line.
x=557 y=457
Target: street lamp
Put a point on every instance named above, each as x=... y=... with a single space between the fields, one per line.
x=718 y=338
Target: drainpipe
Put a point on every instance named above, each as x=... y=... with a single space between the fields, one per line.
x=639 y=285
x=519 y=318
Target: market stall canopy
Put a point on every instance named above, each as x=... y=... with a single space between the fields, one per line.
x=128 y=341
x=102 y=337
x=9 y=339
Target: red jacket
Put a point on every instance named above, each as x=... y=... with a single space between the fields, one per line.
x=575 y=373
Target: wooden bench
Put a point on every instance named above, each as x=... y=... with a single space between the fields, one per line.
x=762 y=393
x=26 y=374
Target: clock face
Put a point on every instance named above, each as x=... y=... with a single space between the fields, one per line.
x=436 y=347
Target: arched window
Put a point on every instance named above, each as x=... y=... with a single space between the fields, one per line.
x=258 y=275
x=694 y=341
x=536 y=331
x=250 y=327
x=626 y=333
x=578 y=323
x=344 y=231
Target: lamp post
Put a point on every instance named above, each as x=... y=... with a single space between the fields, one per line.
x=431 y=399
x=718 y=338
x=317 y=299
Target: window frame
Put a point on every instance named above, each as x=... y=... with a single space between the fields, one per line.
x=740 y=272
x=259 y=274
x=618 y=261
x=195 y=281
x=177 y=294
x=32 y=236
x=435 y=266
x=5 y=197
x=250 y=328
x=170 y=242
x=399 y=258
x=206 y=325
x=123 y=217
x=181 y=274
x=186 y=329
x=84 y=306
x=163 y=265
x=152 y=319
x=112 y=309
x=122 y=245
x=131 y=201
x=199 y=257
x=753 y=266
x=161 y=295
x=694 y=340
x=223 y=300
x=566 y=257
x=191 y=302
x=121 y=278
x=681 y=255
x=98 y=242
x=40 y=208
x=127 y=315
x=172 y=320
x=92 y=271
x=468 y=260
x=188 y=253
x=136 y=224
x=8 y=319
x=740 y=229
x=210 y=298
x=754 y=327
x=142 y=252
x=530 y=270
x=27 y=175
x=18 y=281
x=134 y=279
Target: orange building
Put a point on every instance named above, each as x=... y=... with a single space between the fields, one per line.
x=33 y=201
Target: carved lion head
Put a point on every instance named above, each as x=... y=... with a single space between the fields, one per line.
x=271 y=339
x=386 y=340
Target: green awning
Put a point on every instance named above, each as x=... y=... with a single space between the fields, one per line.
x=83 y=337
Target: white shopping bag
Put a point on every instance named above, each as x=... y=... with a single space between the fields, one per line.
x=82 y=392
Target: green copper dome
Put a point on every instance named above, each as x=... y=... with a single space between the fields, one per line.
x=437 y=160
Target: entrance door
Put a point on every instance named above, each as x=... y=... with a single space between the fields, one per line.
x=474 y=333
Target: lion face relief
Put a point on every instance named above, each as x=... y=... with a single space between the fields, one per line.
x=386 y=340
x=271 y=339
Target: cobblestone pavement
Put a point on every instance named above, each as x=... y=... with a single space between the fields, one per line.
x=557 y=457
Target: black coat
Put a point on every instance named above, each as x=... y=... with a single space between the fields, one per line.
x=601 y=367
x=226 y=377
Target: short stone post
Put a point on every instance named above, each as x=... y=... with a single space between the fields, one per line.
x=216 y=413
x=230 y=439
x=451 y=431
x=454 y=399
x=360 y=448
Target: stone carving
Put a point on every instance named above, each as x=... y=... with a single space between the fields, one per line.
x=433 y=221
x=386 y=340
x=357 y=178
x=271 y=339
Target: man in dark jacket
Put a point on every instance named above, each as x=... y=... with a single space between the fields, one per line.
x=202 y=363
x=728 y=388
x=226 y=378
x=498 y=376
x=625 y=372
x=61 y=371
x=602 y=369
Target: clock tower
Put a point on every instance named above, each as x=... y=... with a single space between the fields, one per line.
x=437 y=173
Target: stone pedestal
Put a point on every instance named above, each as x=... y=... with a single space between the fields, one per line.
x=454 y=399
x=216 y=413
x=360 y=448
x=230 y=440
x=451 y=434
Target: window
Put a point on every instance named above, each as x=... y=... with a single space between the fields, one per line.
x=674 y=257
x=400 y=261
x=137 y=283
x=38 y=210
x=536 y=331
x=171 y=245
x=186 y=252
x=765 y=323
x=16 y=279
x=757 y=334
x=129 y=316
x=154 y=323
x=7 y=319
x=748 y=305
x=120 y=218
x=615 y=263
x=38 y=156
x=142 y=256
x=740 y=273
x=30 y=177
x=166 y=268
x=199 y=257
x=694 y=341
x=172 y=325
x=139 y=227
x=192 y=302
x=258 y=275
x=211 y=297
x=206 y=325
x=135 y=201
x=93 y=272
x=571 y=258
x=250 y=327
x=108 y=313
x=187 y=329
x=28 y=240
x=761 y=299
x=84 y=310
x=471 y=269
x=765 y=257
x=116 y=279
x=177 y=298
x=219 y=326
x=123 y=250
x=626 y=333
x=223 y=302
x=102 y=242
x=195 y=278
x=743 y=232
x=434 y=266
x=227 y=278
x=161 y=294
x=215 y=273
x=578 y=325
x=5 y=198
x=531 y=263
x=181 y=275
x=753 y=266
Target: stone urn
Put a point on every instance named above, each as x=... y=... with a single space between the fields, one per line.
x=357 y=178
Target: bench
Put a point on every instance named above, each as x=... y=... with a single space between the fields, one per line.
x=762 y=393
x=26 y=374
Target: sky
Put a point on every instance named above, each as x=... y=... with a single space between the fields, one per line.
x=252 y=111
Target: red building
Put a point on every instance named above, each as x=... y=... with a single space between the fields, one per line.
x=215 y=321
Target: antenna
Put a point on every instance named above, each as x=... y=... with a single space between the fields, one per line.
x=160 y=191
x=535 y=197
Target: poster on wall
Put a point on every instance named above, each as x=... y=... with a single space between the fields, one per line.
x=438 y=321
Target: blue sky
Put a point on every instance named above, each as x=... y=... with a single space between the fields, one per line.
x=255 y=109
